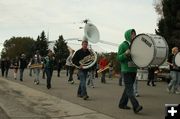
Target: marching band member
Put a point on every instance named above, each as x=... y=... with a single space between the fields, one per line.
x=102 y=64
x=48 y=67
x=174 y=72
x=79 y=55
x=23 y=64
x=129 y=73
x=15 y=66
x=36 y=60
x=70 y=67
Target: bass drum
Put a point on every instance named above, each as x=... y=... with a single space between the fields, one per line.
x=177 y=59
x=148 y=50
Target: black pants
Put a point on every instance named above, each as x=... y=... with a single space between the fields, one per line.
x=71 y=71
x=2 y=71
x=49 y=73
x=151 y=79
x=6 y=71
x=128 y=93
x=103 y=77
x=58 y=72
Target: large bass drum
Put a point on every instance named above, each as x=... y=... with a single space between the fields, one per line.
x=177 y=59
x=149 y=50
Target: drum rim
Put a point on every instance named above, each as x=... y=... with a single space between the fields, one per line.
x=167 y=51
x=155 y=51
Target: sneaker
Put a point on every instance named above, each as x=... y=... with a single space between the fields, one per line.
x=137 y=95
x=92 y=86
x=48 y=86
x=138 y=109
x=85 y=97
x=124 y=107
x=153 y=84
x=177 y=92
x=72 y=82
x=148 y=84
x=168 y=90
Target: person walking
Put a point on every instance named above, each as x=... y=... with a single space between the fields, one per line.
x=174 y=72
x=2 y=66
x=36 y=60
x=79 y=55
x=15 y=67
x=7 y=66
x=48 y=67
x=102 y=64
x=129 y=71
x=70 y=67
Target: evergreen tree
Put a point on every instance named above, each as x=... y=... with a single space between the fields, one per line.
x=169 y=24
x=41 y=44
x=61 y=49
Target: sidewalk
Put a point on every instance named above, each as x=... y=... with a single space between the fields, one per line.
x=21 y=102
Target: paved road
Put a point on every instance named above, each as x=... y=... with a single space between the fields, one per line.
x=104 y=98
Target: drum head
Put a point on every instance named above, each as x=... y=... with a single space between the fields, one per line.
x=142 y=50
x=177 y=59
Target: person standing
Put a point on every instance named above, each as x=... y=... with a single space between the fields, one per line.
x=174 y=72
x=22 y=66
x=48 y=67
x=129 y=71
x=79 y=55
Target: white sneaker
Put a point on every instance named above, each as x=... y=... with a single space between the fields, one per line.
x=177 y=92
x=137 y=95
x=168 y=90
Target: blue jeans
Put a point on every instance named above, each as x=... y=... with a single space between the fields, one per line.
x=36 y=72
x=21 y=73
x=82 y=86
x=128 y=93
x=174 y=83
x=49 y=72
x=90 y=78
x=71 y=71
x=103 y=80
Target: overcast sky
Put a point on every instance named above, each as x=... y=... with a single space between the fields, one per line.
x=112 y=18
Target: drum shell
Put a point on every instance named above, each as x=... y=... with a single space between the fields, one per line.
x=177 y=59
x=149 y=50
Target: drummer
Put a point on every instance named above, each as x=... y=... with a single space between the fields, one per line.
x=128 y=71
x=174 y=72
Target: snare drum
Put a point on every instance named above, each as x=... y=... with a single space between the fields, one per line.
x=177 y=59
x=149 y=50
